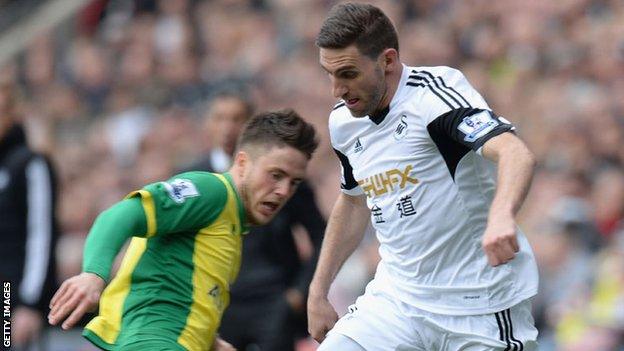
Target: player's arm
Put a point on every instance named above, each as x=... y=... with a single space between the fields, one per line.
x=345 y=230
x=81 y=293
x=474 y=126
x=515 y=171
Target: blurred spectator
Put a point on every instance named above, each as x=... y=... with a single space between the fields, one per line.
x=89 y=72
x=29 y=228
x=608 y=199
x=267 y=308
x=597 y=322
x=95 y=90
x=566 y=265
x=223 y=121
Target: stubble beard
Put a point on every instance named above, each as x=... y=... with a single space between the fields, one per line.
x=377 y=94
x=244 y=194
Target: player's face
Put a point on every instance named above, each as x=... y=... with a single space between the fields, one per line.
x=270 y=178
x=357 y=79
x=226 y=119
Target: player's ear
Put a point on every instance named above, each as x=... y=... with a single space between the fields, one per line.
x=241 y=162
x=389 y=59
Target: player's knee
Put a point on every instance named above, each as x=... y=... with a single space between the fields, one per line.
x=339 y=342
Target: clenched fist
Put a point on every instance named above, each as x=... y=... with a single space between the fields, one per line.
x=499 y=241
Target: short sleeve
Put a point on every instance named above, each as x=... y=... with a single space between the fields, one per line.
x=348 y=184
x=186 y=202
x=456 y=112
x=469 y=127
x=457 y=118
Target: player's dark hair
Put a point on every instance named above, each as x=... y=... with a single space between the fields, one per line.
x=363 y=24
x=281 y=128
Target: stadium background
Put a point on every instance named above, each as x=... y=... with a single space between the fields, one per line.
x=114 y=91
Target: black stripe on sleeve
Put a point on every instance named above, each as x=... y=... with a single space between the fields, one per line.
x=446 y=87
x=414 y=84
x=347 y=172
x=455 y=91
x=429 y=78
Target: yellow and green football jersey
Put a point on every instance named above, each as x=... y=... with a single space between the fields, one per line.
x=173 y=284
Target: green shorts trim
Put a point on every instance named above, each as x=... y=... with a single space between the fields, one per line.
x=142 y=345
x=95 y=340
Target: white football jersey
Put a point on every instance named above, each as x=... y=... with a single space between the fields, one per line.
x=429 y=191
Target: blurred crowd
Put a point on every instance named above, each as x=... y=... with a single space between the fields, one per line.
x=116 y=98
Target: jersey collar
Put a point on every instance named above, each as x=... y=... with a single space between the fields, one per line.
x=379 y=116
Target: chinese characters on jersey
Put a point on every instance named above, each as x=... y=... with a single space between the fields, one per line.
x=405 y=206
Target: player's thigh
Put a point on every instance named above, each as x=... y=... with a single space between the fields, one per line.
x=511 y=329
x=517 y=327
x=376 y=324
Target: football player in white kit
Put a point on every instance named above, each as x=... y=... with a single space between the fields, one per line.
x=440 y=177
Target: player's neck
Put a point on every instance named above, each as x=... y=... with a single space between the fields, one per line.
x=392 y=85
x=237 y=176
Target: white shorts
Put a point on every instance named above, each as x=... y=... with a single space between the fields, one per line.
x=379 y=323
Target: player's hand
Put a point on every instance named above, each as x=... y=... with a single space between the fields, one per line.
x=321 y=317
x=26 y=325
x=222 y=345
x=499 y=240
x=76 y=296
